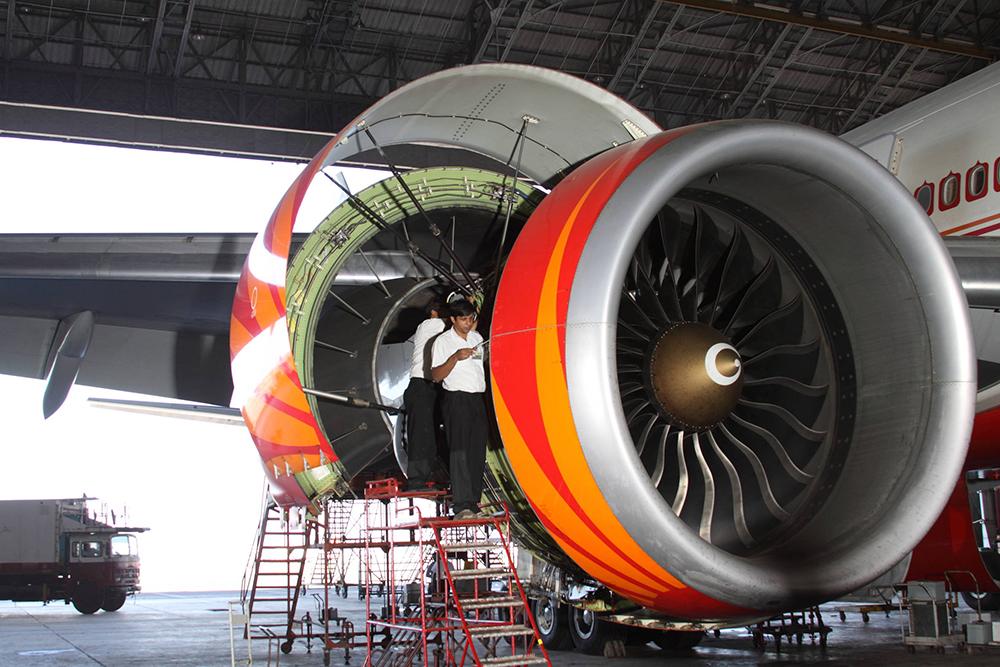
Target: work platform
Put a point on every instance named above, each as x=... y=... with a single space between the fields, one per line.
x=457 y=599
x=437 y=591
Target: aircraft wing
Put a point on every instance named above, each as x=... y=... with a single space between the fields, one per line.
x=160 y=302
x=161 y=306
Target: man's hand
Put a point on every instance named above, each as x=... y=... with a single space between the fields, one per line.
x=439 y=373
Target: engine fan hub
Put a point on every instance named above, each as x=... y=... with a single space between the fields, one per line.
x=695 y=375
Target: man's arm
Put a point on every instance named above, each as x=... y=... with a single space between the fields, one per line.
x=439 y=373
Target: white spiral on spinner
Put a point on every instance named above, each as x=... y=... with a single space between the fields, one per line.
x=713 y=370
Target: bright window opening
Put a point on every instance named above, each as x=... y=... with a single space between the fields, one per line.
x=949 y=192
x=975 y=181
x=124 y=545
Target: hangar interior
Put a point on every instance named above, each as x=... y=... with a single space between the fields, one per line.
x=276 y=80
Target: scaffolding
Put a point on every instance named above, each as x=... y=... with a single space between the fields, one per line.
x=450 y=590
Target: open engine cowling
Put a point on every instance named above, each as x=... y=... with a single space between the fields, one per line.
x=731 y=363
x=731 y=369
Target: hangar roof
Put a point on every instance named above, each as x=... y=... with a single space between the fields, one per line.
x=314 y=64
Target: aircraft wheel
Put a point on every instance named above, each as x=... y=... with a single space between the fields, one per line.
x=984 y=601
x=553 y=624
x=113 y=600
x=590 y=633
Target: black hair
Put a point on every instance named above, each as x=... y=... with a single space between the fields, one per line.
x=436 y=304
x=461 y=308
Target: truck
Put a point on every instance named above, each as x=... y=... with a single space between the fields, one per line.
x=54 y=550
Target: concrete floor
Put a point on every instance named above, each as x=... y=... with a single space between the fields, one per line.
x=191 y=629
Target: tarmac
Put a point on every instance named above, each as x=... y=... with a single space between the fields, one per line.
x=192 y=629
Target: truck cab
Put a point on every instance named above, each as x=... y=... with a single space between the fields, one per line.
x=104 y=567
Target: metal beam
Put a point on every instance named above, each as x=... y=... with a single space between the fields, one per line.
x=634 y=46
x=8 y=35
x=877 y=85
x=154 y=42
x=526 y=14
x=906 y=75
x=842 y=26
x=660 y=43
x=761 y=66
x=789 y=59
x=495 y=16
x=138 y=131
x=185 y=34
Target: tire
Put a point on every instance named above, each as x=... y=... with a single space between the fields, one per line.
x=677 y=640
x=553 y=624
x=87 y=600
x=113 y=600
x=984 y=601
x=590 y=633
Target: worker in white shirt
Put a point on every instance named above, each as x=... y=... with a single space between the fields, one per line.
x=420 y=399
x=457 y=362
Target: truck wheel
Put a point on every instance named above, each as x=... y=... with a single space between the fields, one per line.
x=113 y=600
x=677 y=640
x=87 y=600
x=553 y=624
x=590 y=633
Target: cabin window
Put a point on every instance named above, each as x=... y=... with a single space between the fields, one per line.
x=975 y=181
x=925 y=197
x=88 y=549
x=949 y=192
x=123 y=545
x=996 y=175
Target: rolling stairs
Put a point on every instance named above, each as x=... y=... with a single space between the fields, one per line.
x=274 y=583
x=484 y=593
x=472 y=609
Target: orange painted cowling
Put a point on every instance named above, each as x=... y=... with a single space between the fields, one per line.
x=267 y=388
x=531 y=399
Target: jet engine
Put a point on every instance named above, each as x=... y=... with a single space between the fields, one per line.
x=731 y=365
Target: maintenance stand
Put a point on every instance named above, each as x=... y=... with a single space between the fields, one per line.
x=452 y=592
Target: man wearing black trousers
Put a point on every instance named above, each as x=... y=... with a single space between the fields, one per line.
x=419 y=400
x=457 y=362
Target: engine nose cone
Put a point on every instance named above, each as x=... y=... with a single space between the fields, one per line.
x=695 y=374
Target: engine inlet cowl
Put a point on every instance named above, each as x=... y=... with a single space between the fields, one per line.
x=732 y=369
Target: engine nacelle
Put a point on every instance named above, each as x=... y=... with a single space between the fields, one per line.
x=732 y=369
x=731 y=364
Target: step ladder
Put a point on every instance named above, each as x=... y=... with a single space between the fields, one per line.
x=275 y=583
x=484 y=593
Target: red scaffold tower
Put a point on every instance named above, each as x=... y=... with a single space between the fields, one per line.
x=451 y=591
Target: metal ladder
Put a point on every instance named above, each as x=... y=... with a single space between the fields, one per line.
x=272 y=598
x=485 y=594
